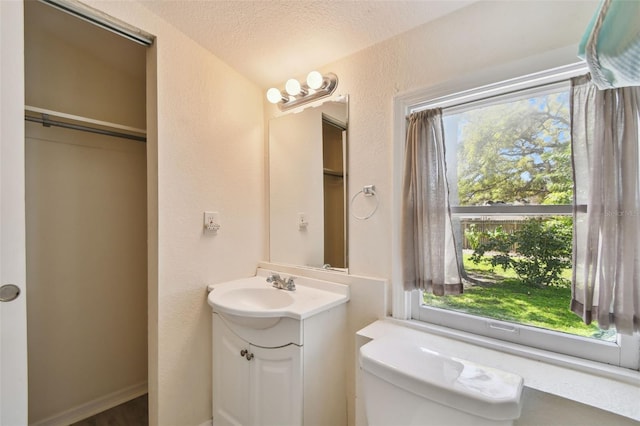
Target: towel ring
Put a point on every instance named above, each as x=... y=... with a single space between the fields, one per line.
x=368 y=191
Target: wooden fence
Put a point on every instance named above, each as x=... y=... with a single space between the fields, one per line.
x=509 y=226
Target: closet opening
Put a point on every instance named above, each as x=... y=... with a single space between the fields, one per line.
x=86 y=219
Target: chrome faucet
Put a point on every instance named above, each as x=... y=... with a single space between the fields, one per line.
x=281 y=283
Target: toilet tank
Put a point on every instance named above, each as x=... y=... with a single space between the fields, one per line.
x=407 y=383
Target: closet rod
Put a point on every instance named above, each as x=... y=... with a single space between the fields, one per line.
x=47 y=122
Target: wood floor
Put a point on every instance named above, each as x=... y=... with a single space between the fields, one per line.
x=132 y=413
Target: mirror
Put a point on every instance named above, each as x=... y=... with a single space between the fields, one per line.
x=308 y=186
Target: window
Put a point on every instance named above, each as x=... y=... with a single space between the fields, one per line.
x=508 y=155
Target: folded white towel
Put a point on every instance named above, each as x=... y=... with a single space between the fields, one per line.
x=611 y=44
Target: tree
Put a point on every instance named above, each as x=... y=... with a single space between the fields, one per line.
x=542 y=250
x=518 y=152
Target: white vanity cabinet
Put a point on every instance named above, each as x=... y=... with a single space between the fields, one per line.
x=290 y=373
x=255 y=385
x=279 y=356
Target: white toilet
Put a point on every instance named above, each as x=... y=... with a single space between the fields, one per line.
x=406 y=383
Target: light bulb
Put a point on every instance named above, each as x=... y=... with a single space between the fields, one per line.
x=315 y=80
x=292 y=87
x=274 y=96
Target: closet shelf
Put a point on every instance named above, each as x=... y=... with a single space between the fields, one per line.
x=88 y=124
x=332 y=172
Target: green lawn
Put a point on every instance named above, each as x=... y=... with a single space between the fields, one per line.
x=504 y=297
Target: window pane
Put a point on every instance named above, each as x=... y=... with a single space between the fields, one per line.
x=517 y=284
x=516 y=266
x=514 y=152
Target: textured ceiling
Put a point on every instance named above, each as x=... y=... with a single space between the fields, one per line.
x=272 y=40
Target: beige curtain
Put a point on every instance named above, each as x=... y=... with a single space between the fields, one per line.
x=606 y=252
x=429 y=256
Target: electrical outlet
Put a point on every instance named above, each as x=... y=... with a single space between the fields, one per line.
x=211 y=222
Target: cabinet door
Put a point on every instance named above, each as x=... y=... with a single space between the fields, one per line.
x=230 y=377
x=276 y=386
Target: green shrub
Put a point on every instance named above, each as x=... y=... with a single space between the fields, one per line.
x=473 y=236
x=538 y=252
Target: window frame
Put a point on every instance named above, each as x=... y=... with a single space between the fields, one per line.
x=624 y=352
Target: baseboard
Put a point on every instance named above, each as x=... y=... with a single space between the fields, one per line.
x=207 y=423
x=94 y=407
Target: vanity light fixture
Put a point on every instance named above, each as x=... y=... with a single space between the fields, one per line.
x=294 y=88
x=295 y=94
x=274 y=96
x=315 y=80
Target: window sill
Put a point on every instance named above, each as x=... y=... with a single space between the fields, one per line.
x=564 y=376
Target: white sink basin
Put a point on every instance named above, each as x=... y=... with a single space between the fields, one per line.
x=255 y=299
x=254 y=303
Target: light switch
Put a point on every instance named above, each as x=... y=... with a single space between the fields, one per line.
x=302 y=221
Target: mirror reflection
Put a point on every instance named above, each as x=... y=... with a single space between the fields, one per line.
x=307 y=186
